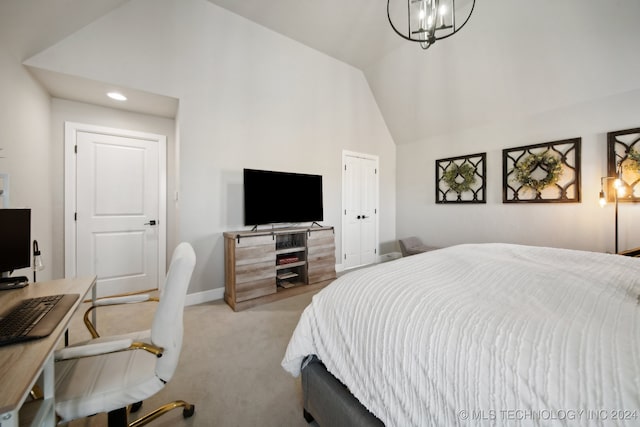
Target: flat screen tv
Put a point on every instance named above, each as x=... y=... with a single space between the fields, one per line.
x=272 y=197
x=15 y=240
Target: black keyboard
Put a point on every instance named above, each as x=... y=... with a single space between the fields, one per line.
x=34 y=318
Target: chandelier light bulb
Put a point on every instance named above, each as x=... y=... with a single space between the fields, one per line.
x=441 y=12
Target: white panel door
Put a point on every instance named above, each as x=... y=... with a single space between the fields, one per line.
x=368 y=211
x=351 y=211
x=117 y=208
x=360 y=201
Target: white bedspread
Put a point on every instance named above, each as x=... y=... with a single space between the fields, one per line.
x=490 y=334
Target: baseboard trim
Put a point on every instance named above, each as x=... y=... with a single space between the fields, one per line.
x=218 y=293
x=205 y=296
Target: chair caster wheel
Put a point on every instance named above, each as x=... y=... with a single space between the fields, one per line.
x=135 y=407
x=188 y=412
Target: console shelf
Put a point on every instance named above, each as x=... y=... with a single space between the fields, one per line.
x=261 y=266
x=291 y=265
x=290 y=250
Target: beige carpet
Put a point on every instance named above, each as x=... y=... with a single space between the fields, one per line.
x=229 y=367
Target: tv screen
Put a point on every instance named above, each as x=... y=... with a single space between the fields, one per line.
x=281 y=197
x=15 y=239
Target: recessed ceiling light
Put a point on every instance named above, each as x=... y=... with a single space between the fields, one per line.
x=117 y=96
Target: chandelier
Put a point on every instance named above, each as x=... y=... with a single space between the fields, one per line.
x=430 y=20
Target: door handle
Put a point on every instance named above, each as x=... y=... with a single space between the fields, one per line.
x=358 y=217
x=364 y=217
x=152 y=222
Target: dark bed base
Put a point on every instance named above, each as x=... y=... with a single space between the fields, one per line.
x=327 y=402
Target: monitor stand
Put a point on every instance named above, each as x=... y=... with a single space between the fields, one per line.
x=17 y=282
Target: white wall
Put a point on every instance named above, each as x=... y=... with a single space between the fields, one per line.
x=572 y=225
x=248 y=98
x=519 y=73
x=65 y=110
x=24 y=138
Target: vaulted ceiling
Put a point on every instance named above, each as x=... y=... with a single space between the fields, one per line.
x=29 y=26
x=514 y=59
x=354 y=31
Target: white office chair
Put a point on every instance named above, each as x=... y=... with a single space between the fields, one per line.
x=122 y=299
x=108 y=374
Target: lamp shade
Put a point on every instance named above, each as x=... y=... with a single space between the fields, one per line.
x=38 y=265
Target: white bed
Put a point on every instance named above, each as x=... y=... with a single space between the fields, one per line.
x=483 y=334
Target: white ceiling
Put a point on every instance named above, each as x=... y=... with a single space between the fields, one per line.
x=354 y=31
x=30 y=26
x=526 y=65
x=93 y=92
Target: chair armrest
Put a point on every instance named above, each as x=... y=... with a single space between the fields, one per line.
x=93 y=349
x=96 y=349
x=155 y=350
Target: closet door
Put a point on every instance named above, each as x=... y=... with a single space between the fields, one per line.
x=360 y=210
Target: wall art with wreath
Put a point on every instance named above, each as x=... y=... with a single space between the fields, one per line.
x=542 y=173
x=461 y=179
x=623 y=159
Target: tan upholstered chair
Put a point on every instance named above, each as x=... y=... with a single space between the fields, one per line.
x=108 y=374
x=413 y=245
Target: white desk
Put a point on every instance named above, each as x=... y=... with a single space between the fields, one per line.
x=26 y=364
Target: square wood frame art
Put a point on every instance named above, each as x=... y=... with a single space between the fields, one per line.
x=461 y=179
x=542 y=173
x=623 y=151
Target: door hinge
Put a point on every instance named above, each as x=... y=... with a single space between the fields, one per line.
x=345 y=211
x=375 y=251
x=375 y=211
x=345 y=256
x=75 y=216
x=375 y=171
x=75 y=148
x=345 y=167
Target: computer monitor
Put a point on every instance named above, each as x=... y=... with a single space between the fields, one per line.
x=15 y=240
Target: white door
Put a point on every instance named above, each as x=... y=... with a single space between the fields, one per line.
x=360 y=212
x=119 y=209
